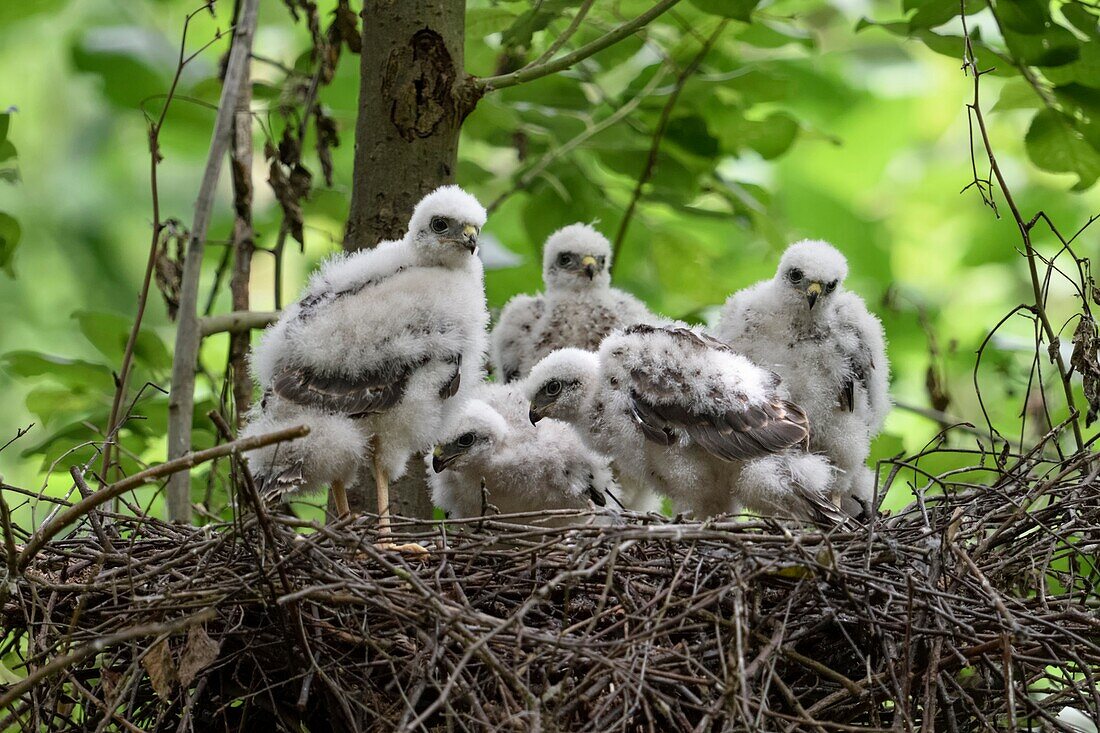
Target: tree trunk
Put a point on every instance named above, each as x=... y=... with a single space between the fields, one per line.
x=240 y=163
x=413 y=96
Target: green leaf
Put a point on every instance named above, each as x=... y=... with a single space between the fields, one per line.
x=1083 y=104
x=519 y=34
x=1084 y=21
x=481 y=22
x=1085 y=70
x=1055 y=46
x=5 y=124
x=72 y=373
x=770 y=137
x=932 y=13
x=946 y=45
x=1055 y=144
x=108 y=332
x=131 y=63
x=691 y=134
x=10 y=234
x=1017 y=94
x=734 y=9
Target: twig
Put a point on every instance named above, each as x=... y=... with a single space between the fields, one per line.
x=181 y=399
x=95 y=647
x=169 y=468
x=658 y=135
x=236 y=322
x=123 y=379
x=1039 y=305
x=530 y=73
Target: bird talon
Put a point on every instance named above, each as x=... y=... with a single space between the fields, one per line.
x=408 y=548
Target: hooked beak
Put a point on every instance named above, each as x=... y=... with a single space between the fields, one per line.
x=440 y=459
x=469 y=234
x=588 y=262
x=535 y=415
x=812 y=293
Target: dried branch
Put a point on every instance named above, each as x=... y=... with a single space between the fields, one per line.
x=537 y=71
x=170 y=468
x=658 y=135
x=185 y=358
x=970 y=65
x=236 y=322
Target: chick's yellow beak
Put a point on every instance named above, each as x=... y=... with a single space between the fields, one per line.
x=813 y=292
x=588 y=262
x=469 y=233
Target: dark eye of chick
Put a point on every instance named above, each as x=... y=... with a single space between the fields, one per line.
x=600 y=261
x=830 y=287
x=466 y=440
x=565 y=259
x=439 y=224
x=795 y=275
x=552 y=388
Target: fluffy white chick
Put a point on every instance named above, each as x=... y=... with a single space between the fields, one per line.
x=385 y=337
x=524 y=469
x=565 y=385
x=830 y=352
x=578 y=309
x=683 y=414
x=331 y=454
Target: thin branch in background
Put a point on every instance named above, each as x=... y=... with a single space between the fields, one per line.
x=530 y=73
x=185 y=358
x=970 y=66
x=236 y=322
x=48 y=530
x=123 y=378
x=532 y=173
x=240 y=165
x=561 y=40
x=658 y=135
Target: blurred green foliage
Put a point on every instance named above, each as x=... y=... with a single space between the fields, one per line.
x=837 y=120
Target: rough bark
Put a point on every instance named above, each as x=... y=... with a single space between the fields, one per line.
x=181 y=401
x=240 y=159
x=413 y=96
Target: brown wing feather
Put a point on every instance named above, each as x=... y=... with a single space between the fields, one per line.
x=451 y=386
x=365 y=394
x=747 y=431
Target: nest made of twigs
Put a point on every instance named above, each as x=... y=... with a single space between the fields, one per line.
x=973 y=609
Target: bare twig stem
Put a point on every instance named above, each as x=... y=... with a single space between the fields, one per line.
x=1039 y=307
x=537 y=71
x=57 y=664
x=658 y=135
x=181 y=400
x=170 y=468
x=236 y=322
x=150 y=263
x=241 y=175
x=561 y=40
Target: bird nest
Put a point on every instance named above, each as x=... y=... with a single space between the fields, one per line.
x=973 y=609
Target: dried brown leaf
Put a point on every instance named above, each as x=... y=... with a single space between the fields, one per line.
x=199 y=652
x=1086 y=340
x=158 y=664
x=327 y=139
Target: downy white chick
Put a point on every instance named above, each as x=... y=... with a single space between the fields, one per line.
x=524 y=469
x=830 y=352
x=578 y=309
x=685 y=415
x=386 y=337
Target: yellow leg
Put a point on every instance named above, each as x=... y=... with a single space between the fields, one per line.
x=382 y=489
x=340 y=497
